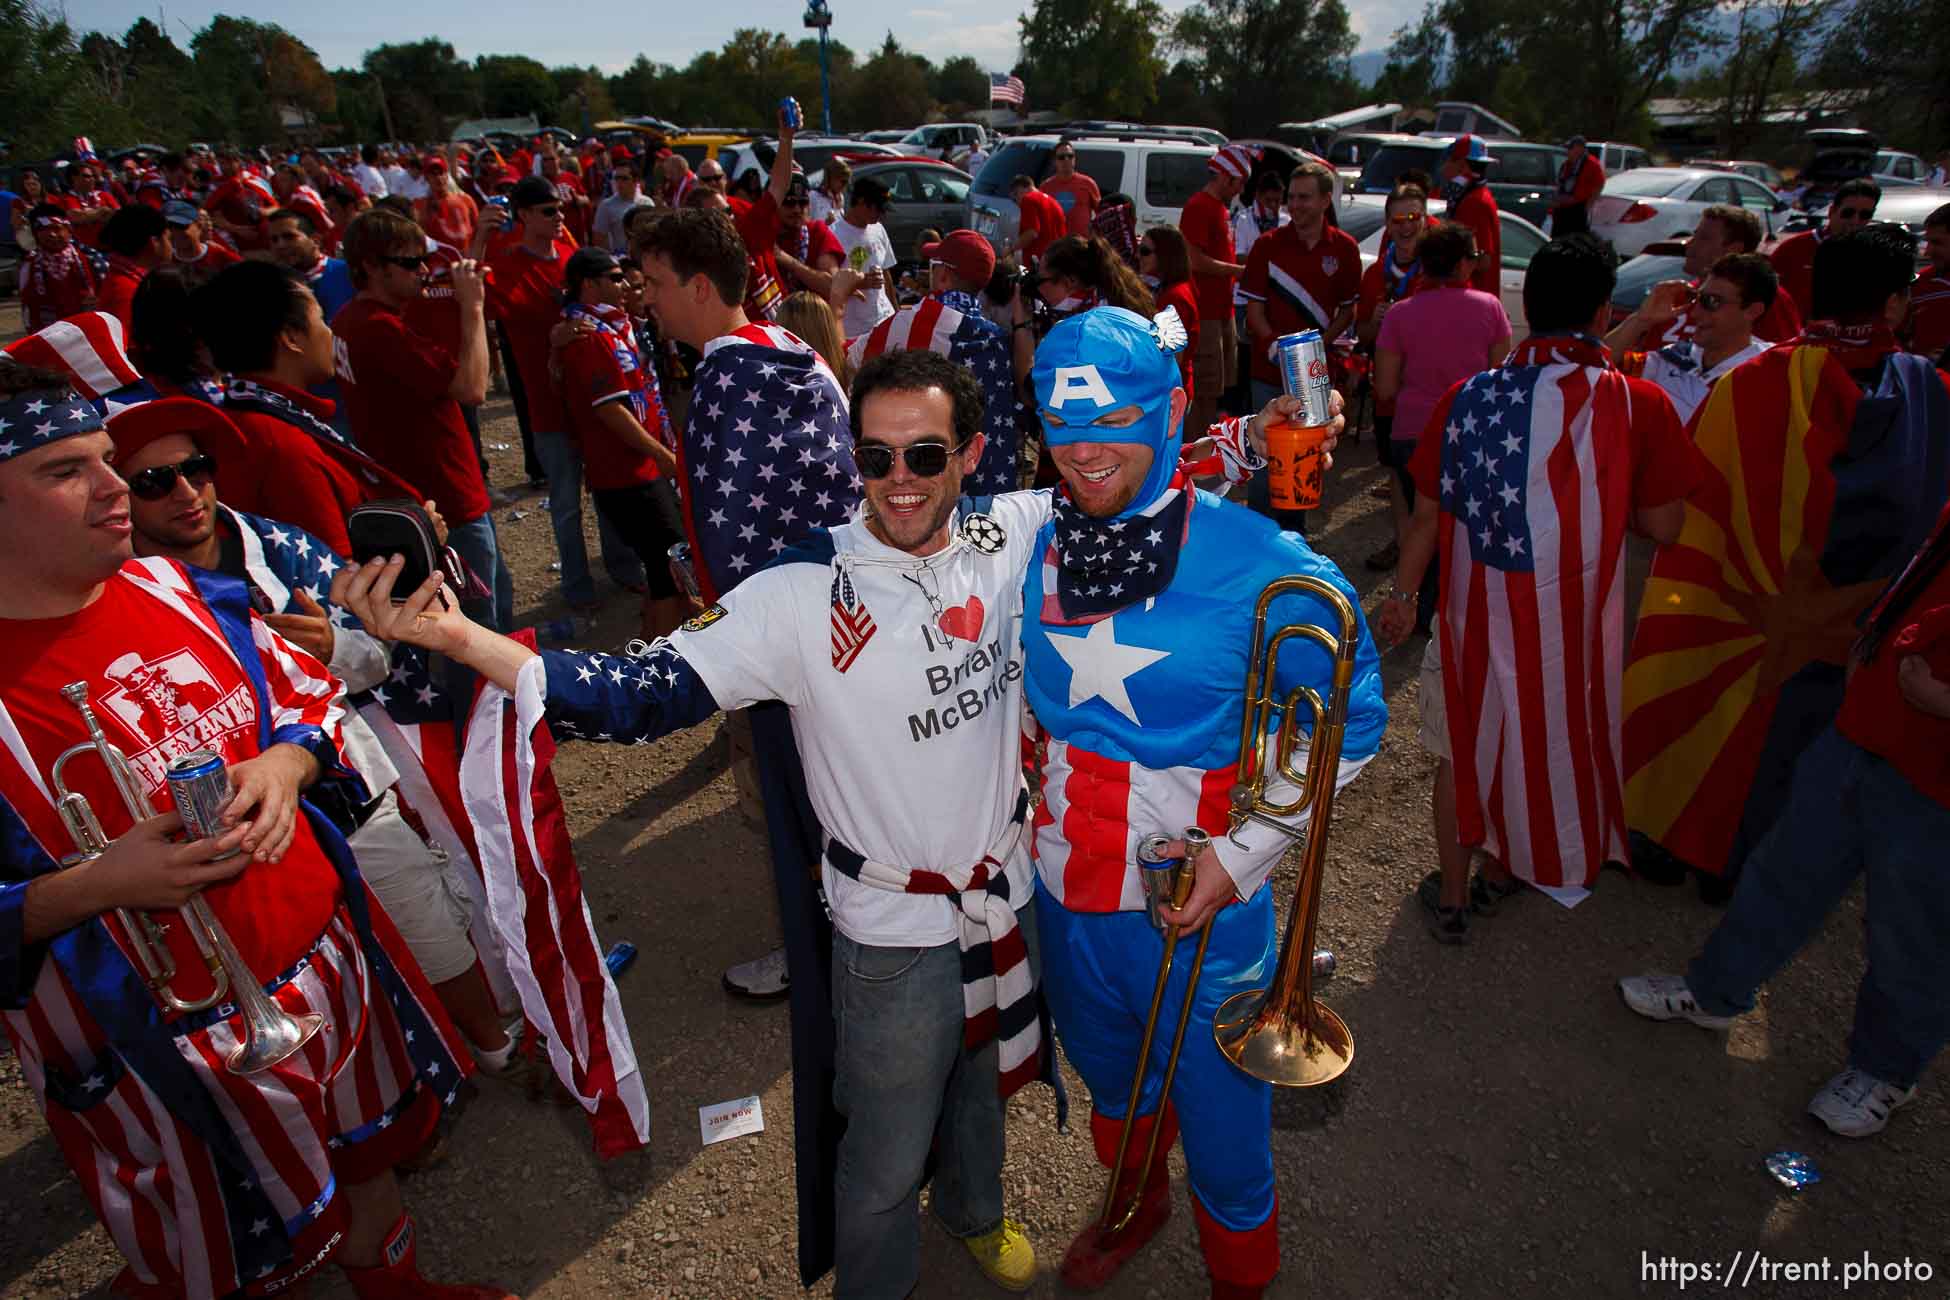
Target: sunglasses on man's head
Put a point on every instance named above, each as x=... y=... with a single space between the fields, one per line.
x=158 y=481
x=924 y=459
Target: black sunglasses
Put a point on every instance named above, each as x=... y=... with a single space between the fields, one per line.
x=1856 y=214
x=1710 y=301
x=924 y=459
x=407 y=262
x=158 y=481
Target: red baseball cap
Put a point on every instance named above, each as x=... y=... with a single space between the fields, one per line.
x=435 y=164
x=134 y=427
x=967 y=252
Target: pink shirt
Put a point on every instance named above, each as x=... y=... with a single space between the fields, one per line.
x=1443 y=335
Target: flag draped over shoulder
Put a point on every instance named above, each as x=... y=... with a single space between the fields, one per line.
x=1532 y=630
x=766 y=456
x=478 y=782
x=1817 y=493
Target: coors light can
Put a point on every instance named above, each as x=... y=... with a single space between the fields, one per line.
x=199 y=784
x=1302 y=359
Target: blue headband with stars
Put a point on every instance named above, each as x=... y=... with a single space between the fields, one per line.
x=39 y=416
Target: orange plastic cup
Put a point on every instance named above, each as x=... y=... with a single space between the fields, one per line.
x=1293 y=454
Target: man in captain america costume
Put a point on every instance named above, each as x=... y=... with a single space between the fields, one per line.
x=1138 y=610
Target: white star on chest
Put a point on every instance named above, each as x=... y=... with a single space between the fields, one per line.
x=1100 y=665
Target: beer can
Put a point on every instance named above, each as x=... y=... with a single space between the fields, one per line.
x=620 y=956
x=1324 y=964
x=1157 y=875
x=789 y=108
x=1302 y=360
x=199 y=785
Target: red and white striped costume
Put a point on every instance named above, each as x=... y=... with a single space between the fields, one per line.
x=206 y=1180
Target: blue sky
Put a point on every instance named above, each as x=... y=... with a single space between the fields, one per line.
x=610 y=33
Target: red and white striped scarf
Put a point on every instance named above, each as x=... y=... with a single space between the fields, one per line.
x=997 y=984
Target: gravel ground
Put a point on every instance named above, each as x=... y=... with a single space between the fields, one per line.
x=1507 y=1129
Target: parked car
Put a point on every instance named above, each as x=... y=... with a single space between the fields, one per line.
x=1455 y=117
x=1653 y=203
x=944 y=140
x=1318 y=135
x=1909 y=207
x=1766 y=173
x=1204 y=134
x=1521 y=240
x=1349 y=151
x=1664 y=260
x=1158 y=172
x=1615 y=157
x=1283 y=158
x=883 y=137
x=694 y=146
x=1835 y=154
x=925 y=195
x=1522 y=178
x=1901 y=168
x=810 y=153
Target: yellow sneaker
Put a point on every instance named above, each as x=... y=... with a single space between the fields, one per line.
x=1005 y=1255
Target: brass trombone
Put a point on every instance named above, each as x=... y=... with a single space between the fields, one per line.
x=1165 y=886
x=270 y=1033
x=1280 y=1034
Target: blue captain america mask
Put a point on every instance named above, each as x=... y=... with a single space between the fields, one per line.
x=1104 y=361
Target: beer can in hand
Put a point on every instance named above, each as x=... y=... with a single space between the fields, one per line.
x=789 y=111
x=199 y=785
x=1293 y=446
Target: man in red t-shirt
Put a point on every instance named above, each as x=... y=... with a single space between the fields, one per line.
x=761 y=224
x=404 y=392
x=1039 y=219
x=1663 y=318
x=94 y=203
x=1073 y=190
x=525 y=297
x=198 y=258
x=239 y=204
x=1929 y=297
x=1472 y=204
x=1580 y=180
x=1853 y=207
x=569 y=191
x=446 y=213
x=1206 y=223
x=808 y=251
x=137 y=240
x=620 y=429
x=1871 y=796
x=168 y=667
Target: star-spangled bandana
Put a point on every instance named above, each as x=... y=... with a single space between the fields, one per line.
x=1399 y=278
x=619 y=333
x=1095 y=567
x=33 y=419
x=247 y=396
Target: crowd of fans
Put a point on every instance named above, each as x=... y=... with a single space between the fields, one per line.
x=1752 y=467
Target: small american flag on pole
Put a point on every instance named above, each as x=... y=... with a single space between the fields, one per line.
x=1006 y=90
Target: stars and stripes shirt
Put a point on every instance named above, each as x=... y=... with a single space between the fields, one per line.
x=766 y=455
x=952 y=325
x=1537 y=470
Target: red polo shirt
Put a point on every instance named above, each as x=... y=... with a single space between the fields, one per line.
x=1301 y=287
x=396 y=383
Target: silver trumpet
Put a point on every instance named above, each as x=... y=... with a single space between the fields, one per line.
x=270 y=1033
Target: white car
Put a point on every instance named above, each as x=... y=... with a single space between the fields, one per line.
x=1521 y=240
x=1648 y=204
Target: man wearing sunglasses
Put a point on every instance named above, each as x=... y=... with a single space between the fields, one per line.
x=1662 y=319
x=1734 y=297
x=1853 y=207
x=525 y=297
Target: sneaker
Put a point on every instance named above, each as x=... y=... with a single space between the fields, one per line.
x=1666 y=997
x=1005 y=1255
x=762 y=980
x=1857 y=1105
x=1450 y=925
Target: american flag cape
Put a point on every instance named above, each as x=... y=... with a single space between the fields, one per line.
x=1531 y=536
x=475 y=777
x=171 y=1165
x=766 y=455
x=962 y=334
x=87 y=347
x=1816 y=495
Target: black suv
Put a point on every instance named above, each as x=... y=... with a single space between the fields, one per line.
x=1523 y=178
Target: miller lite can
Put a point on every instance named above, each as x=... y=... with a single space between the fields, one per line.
x=199 y=785
x=789 y=110
x=1302 y=361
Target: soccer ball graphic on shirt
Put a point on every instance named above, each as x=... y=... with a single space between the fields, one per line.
x=158 y=697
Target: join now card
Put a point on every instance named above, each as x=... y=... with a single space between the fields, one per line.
x=730 y=1119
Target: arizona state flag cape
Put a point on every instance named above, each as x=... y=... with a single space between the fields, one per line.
x=1818 y=493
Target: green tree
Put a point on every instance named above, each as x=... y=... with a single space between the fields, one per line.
x=1890 y=59
x=513 y=85
x=582 y=98
x=1266 y=60
x=248 y=73
x=1418 y=59
x=428 y=87
x=1770 y=40
x=960 y=85
x=890 y=89
x=1093 y=57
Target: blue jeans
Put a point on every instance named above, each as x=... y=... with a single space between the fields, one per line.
x=1259 y=496
x=1850 y=812
x=562 y=463
x=477 y=544
x=904 y=1082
